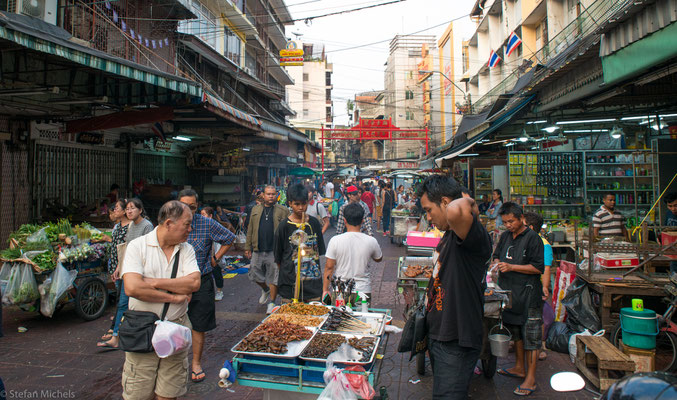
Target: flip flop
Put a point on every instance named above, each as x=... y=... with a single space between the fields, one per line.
x=520 y=391
x=504 y=372
x=196 y=374
x=105 y=345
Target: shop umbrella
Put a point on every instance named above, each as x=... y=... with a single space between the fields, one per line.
x=301 y=171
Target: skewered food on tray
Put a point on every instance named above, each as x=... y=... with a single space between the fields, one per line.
x=323 y=344
x=303 y=320
x=272 y=337
x=341 y=321
x=302 y=309
x=414 y=271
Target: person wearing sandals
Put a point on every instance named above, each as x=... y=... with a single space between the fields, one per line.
x=138 y=226
x=119 y=217
x=519 y=258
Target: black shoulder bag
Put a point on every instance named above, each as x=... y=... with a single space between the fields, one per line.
x=137 y=327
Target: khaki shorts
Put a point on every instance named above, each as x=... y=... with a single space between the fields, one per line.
x=262 y=268
x=145 y=375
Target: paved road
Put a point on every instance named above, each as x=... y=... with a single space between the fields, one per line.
x=59 y=355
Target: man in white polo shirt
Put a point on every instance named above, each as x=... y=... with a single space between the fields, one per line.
x=607 y=221
x=146 y=272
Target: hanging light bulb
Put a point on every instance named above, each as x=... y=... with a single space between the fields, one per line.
x=616 y=132
x=525 y=137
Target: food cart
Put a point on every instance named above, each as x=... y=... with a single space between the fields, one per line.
x=50 y=265
x=266 y=358
x=401 y=222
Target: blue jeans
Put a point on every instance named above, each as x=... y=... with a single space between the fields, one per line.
x=453 y=366
x=123 y=304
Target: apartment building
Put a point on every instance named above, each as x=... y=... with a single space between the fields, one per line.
x=404 y=99
x=370 y=105
x=535 y=22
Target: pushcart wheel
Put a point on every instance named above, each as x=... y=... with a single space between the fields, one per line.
x=420 y=363
x=91 y=299
x=489 y=366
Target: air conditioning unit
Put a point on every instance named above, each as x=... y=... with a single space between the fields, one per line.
x=41 y=9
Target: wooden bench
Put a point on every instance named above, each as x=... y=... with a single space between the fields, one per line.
x=605 y=357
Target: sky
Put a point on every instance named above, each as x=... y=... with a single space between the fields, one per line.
x=361 y=69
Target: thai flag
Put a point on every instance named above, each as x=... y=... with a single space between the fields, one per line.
x=513 y=43
x=494 y=58
x=157 y=129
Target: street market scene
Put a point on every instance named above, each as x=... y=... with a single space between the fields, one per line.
x=315 y=199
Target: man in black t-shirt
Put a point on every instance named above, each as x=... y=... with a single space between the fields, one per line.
x=519 y=258
x=286 y=251
x=455 y=299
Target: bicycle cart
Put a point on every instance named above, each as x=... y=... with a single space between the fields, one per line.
x=414 y=288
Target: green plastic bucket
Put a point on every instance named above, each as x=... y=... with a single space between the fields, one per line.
x=639 y=328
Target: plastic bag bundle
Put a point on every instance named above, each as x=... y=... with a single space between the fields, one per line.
x=338 y=387
x=170 y=338
x=38 y=241
x=581 y=313
x=359 y=383
x=21 y=286
x=54 y=288
x=558 y=337
x=4 y=276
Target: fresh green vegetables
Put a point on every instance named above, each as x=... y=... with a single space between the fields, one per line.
x=22 y=233
x=45 y=261
x=10 y=254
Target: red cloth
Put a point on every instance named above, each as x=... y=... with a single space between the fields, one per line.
x=369 y=198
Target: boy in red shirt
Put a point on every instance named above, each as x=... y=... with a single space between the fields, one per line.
x=368 y=198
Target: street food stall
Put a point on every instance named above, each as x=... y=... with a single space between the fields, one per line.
x=288 y=350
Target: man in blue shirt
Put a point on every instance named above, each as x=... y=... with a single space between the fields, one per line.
x=202 y=308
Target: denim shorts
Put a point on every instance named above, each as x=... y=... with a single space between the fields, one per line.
x=531 y=331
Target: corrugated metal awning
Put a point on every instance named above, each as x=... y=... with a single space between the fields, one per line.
x=222 y=105
x=35 y=34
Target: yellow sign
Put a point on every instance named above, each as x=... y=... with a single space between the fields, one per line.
x=291 y=64
x=291 y=53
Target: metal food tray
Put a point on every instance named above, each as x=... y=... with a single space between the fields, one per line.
x=407 y=261
x=302 y=344
x=349 y=336
x=378 y=318
x=323 y=319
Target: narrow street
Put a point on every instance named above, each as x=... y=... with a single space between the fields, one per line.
x=60 y=354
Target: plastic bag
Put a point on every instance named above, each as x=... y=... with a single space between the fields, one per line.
x=5 y=272
x=170 y=338
x=572 y=342
x=566 y=273
x=338 y=387
x=581 y=314
x=38 y=241
x=54 y=288
x=558 y=337
x=359 y=383
x=21 y=286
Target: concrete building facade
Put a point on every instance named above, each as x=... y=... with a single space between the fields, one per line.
x=403 y=99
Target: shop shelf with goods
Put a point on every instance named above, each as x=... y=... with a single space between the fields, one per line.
x=629 y=174
x=549 y=183
x=483 y=182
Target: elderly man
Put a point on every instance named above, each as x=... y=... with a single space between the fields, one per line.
x=353 y=194
x=146 y=272
x=202 y=308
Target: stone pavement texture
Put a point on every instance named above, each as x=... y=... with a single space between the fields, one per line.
x=60 y=354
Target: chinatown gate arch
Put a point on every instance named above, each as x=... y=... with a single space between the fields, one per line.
x=374 y=129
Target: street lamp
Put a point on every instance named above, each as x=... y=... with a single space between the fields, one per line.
x=465 y=96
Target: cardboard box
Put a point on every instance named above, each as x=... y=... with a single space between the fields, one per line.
x=669 y=238
x=607 y=260
x=645 y=360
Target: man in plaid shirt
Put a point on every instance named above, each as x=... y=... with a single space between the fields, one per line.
x=202 y=307
x=354 y=197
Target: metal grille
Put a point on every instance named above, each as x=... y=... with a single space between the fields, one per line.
x=14 y=191
x=159 y=168
x=66 y=173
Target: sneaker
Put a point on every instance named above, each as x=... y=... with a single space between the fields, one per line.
x=270 y=307
x=218 y=296
x=265 y=295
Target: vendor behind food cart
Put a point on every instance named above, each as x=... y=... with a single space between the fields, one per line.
x=348 y=254
x=607 y=221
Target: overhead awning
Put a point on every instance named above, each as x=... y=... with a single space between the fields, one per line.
x=38 y=35
x=470 y=122
x=498 y=123
x=215 y=105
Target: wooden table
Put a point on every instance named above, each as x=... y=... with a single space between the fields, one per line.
x=613 y=291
